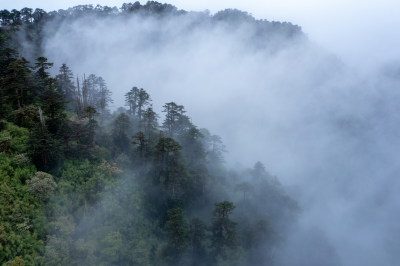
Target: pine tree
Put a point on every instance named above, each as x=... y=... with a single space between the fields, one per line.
x=150 y=124
x=197 y=235
x=45 y=151
x=104 y=96
x=121 y=131
x=170 y=172
x=131 y=100
x=143 y=101
x=53 y=105
x=65 y=85
x=42 y=75
x=175 y=121
x=177 y=229
x=142 y=146
x=16 y=89
x=222 y=228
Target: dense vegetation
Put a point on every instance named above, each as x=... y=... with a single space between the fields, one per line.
x=81 y=185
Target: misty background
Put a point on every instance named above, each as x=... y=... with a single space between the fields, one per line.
x=359 y=31
x=327 y=129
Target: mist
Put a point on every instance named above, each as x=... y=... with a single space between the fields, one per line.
x=329 y=131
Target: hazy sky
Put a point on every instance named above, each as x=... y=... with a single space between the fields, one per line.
x=356 y=30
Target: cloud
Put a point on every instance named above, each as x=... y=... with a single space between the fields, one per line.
x=324 y=128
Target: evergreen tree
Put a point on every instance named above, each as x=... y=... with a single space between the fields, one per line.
x=142 y=146
x=170 y=172
x=150 y=124
x=84 y=213
x=177 y=229
x=121 y=131
x=197 y=235
x=42 y=74
x=16 y=89
x=65 y=85
x=45 y=151
x=175 y=121
x=104 y=96
x=52 y=103
x=222 y=229
x=131 y=100
x=143 y=101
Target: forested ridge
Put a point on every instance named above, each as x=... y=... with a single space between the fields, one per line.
x=82 y=183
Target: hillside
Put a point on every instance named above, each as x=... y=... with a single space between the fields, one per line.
x=85 y=182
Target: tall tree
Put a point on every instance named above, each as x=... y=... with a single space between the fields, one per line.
x=42 y=74
x=104 y=96
x=150 y=124
x=17 y=84
x=169 y=170
x=222 y=228
x=65 y=84
x=131 y=100
x=143 y=101
x=142 y=146
x=175 y=121
x=52 y=103
x=45 y=151
x=121 y=131
x=197 y=235
x=177 y=229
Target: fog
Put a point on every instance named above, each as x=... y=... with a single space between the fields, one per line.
x=327 y=130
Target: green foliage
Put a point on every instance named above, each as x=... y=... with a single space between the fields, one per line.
x=13 y=139
x=66 y=86
x=16 y=84
x=176 y=122
x=223 y=229
x=21 y=237
x=177 y=229
x=169 y=171
x=41 y=66
x=44 y=150
x=119 y=189
x=41 y=185
x=52 y=103
x=27 y=116
x=83 y=182
x=121 y=131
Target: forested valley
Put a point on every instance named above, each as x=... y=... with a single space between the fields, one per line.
x=83 y=182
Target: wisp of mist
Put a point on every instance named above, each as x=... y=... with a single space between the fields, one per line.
x=329 y=133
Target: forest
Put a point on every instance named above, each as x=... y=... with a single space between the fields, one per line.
x=83 y=182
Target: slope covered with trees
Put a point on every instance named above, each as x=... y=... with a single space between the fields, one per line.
x=84 y=185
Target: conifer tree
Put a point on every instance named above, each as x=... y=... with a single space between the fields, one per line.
x=197 y=235
x=65 y=84
x=131 y=100
x=42 y=74
x=52 y=103
x=175 y=121
x=17 y=84
x=150 y=123
x=143 y=101
x=222 y=228
x=121 y=131
x=177 y=229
